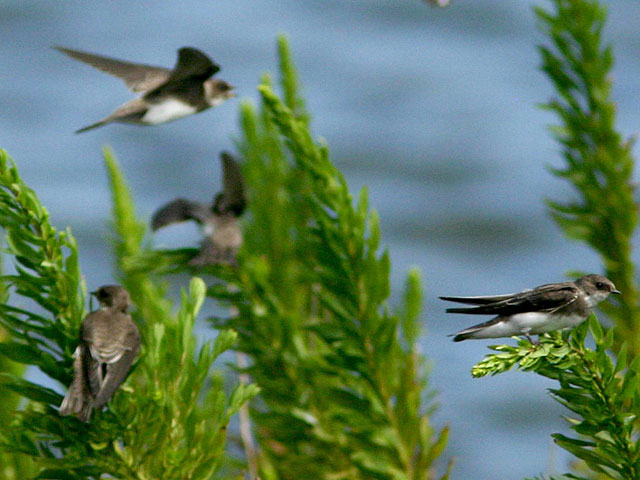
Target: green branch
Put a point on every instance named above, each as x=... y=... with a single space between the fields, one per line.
x=598 y=160
x=341 y=378
x=174 y=371
x=604 y=395
x=166 y=421
x=342 y=382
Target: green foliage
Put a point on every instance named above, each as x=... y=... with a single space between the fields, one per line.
x=341 y=395
x=174 y=372
x=603 y=393
x=167 y=421
x=568 y=476
x=342 y=382
x=13 y=466
x=340 y=375
x=598 y=160
x=48 y=280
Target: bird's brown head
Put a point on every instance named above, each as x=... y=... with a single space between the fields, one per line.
x=113 y=296
x=596 y=287
x=216 y=91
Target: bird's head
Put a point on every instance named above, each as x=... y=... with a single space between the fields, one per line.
x=217 y=91
x=597 y=287
x=113 y=296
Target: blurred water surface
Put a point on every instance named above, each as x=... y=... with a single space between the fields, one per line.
x=434 y=110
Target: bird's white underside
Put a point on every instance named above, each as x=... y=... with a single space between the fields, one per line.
x=223 y=231
x=530 y=323
x=167 y=111
x=215 y=101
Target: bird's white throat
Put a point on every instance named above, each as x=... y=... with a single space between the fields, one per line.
x=595 y=298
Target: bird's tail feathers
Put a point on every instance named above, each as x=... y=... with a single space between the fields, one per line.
x=461 y=309
x=76 y=403
x=487 y=328
x=93 y=125
x=464 y=334
x=77 y=400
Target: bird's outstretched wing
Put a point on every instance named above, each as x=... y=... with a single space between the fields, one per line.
x=546 y=298
x=191 y=70
x=233 y=195
x=192 y=63
x=137 y=77
x=180 y=210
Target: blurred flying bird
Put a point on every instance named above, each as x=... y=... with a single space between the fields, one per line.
x=223 y=235
x=548 y=307
x=167 y=95
x=109 y=342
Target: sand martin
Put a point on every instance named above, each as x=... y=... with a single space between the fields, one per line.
x=545 y=308
x=167 y=95
x=109 y=342
x=223 y=235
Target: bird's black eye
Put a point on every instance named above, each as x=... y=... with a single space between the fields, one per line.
x=224 y=87
x=600 y=285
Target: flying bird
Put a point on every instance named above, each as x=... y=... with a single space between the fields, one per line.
x=546 y=308
x=166 y=95
x=223 y=235
x=109 y=343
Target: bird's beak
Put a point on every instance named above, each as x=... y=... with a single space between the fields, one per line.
x=617 y=292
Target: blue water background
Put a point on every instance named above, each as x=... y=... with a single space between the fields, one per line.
x=434 y=110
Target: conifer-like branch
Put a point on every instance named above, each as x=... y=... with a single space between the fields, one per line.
x=342 y=381
x=598 y=161
x=603 y=394
x=341 y=377
x=159 y=424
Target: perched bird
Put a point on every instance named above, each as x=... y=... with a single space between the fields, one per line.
x=167 y=95
x=223 y=236
x=545 y=308
x=109 y=342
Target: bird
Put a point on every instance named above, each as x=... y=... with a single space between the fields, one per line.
x=222 y=232
x=166 y=95
x=549 y=307
x=109 y=343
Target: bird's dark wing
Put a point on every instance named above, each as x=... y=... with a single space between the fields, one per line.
x=192 y=63
x=116 y=373
x=90 y=334
x=180 y=210
x=191 y=70
x=136 y=76
x=546 y=298
x=111 y=341
x=118 y=367
x=479 y=300
x=233 y=196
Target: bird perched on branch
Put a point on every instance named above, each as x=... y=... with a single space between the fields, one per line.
x=549 y=307
x=109 y=343
x=223 y=235
x=167 y=95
